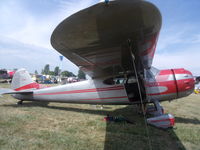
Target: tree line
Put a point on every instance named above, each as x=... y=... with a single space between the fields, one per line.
x=57 y=71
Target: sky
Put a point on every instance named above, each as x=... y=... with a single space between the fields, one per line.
x=26 y=27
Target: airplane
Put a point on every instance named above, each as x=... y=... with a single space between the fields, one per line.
x=114 y=43
x=6 y=75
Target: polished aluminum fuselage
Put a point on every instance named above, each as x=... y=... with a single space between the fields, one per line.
x=166 y=85
x=86 y=92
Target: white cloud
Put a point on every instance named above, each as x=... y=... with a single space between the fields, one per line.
x=25 y=37
x=38 y=30
x=196 y=38
x=178 y=34
x=31 y=57
x=188 y=58
x=178 y=47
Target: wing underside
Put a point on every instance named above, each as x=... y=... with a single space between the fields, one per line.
x=99 y=39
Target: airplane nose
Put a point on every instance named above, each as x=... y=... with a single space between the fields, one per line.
x=185 y=82
x=190 y=80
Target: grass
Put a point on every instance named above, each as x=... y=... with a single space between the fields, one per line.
x=61 y=126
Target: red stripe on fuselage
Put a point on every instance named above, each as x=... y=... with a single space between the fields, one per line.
x=85 y=91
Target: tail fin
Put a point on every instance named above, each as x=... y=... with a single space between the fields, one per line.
x=23 y=81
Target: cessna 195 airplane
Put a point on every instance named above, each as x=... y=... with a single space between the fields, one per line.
x=114 y=43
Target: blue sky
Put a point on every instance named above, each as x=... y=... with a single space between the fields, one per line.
x=26 y=27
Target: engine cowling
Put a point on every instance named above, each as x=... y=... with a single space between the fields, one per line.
x=170 y=84
x=185 y=82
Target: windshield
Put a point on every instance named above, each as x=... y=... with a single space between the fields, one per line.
x=154 y=71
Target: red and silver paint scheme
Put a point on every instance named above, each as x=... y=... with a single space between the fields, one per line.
x=169 y=84
x=165 y=85
x=115 y=46
x=23 y=81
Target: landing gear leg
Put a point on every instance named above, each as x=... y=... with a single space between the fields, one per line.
x=159 y=108
x=141 y=109
x=156 y=109
x=20 y=102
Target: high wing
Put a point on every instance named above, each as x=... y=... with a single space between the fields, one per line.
x=99 y=39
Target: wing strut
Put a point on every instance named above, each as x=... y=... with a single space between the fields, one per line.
x=140 y=93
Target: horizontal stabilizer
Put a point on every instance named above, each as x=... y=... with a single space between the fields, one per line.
x=10 y=91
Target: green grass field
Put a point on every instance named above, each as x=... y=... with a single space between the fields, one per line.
x=61 y=126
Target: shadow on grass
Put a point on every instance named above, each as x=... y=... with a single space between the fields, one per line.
x=124 y=136
x=187 y=120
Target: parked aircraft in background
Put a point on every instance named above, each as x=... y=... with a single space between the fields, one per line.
x=114 y=43
x=6 y=75
x=197 y=79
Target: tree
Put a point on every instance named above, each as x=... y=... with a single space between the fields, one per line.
x=67 y=74
x=46 y=69
x=51 y=73
x=71 y=74
x=36 y=72
x=81 y=74
x=56 y=71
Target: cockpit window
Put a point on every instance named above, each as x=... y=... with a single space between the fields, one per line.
x=154 y=71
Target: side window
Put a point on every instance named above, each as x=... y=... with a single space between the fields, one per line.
x=119 y=80
x=113 y=81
